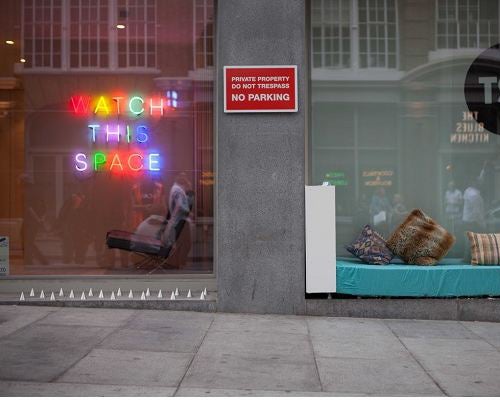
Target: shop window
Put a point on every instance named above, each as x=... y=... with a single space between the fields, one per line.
x=349 y=34
x=109 y=174
x=466 y=24
x=402 y=138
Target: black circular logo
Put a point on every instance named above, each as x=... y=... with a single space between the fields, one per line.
x=482 y=89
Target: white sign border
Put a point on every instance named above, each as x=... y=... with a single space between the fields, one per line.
x=295 y=109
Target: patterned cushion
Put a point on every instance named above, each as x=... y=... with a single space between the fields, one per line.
x=370 y=247
x=484 y=248
x=420 y=240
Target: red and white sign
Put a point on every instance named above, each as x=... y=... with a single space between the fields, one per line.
x=260 y=88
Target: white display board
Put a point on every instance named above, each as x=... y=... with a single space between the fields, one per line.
x=4 y=255
x=320 y=239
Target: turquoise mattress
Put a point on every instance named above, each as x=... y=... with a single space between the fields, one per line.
x=401 y=280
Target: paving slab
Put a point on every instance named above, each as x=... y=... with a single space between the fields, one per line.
x=13 y=318
x=359 y=346
x=168 y=321
x=279 y=346
x=430 y=329
x=35 y=389
x=88 y=317
x=375 y=377
x=489 y=331
x=42 y=352
x=225 y=371
x=346 y=327
x=259 y=323
x=120 y=367
x=168 y=340
x=462 y=367
x=203 y=392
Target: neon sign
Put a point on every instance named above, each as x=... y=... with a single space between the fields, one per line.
x=128 y=131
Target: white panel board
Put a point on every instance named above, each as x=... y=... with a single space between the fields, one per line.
x=320 y=239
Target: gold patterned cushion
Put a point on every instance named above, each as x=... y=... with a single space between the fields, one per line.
x=420 y=240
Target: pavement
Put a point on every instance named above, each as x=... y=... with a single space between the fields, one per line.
x=64 y=351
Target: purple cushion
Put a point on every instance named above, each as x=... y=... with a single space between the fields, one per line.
x=370 y=247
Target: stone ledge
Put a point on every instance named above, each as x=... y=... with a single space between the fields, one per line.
x=173 y=305
x=473 y=309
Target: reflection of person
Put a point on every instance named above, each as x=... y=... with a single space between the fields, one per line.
x=453 y=201
x=486 y=179
x=399 y=210
x=146 y=195
x=380 y=208
x=34 y=221
x=72 y=223
x=362 y=216
x=110 y=208
x=473 y=213
x=178 y=229
x=179 y=205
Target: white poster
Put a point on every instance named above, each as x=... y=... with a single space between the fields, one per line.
x=4 y=255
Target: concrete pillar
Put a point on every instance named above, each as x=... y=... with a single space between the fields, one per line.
x=261 y=165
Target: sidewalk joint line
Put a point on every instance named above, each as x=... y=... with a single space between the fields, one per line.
x=54 y=380
x=479 y=336
x=192 y=358
x=417 y=360
x=313 y=353
x=29 y=325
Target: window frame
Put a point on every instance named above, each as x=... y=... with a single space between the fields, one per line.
x=65 y=51
x=355 y=40
x=456 y=34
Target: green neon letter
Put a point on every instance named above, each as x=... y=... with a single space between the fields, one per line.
x=99 y=160
x=131 y=108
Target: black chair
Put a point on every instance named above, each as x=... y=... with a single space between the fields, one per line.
x=152 y=250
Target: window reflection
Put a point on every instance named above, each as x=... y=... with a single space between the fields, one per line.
x=399 y=132
x=109 y=118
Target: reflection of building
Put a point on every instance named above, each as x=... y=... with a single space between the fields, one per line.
x=74 y=47
x=375 y=109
